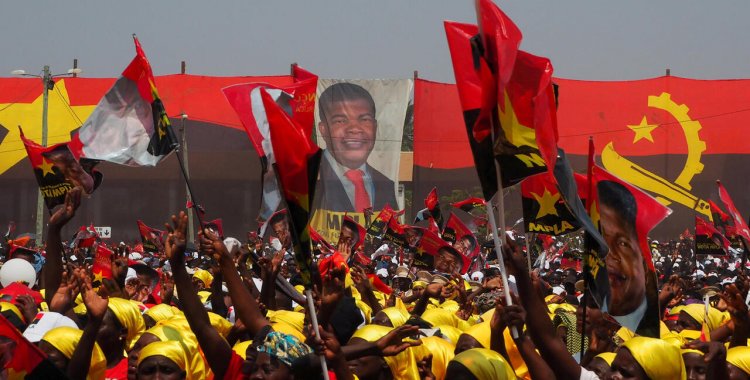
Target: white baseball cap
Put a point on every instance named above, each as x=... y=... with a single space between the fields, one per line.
x=46 y=321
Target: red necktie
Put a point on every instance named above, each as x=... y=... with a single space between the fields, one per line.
x=361 y=198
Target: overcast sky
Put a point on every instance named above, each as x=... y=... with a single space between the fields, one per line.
x=585 y=39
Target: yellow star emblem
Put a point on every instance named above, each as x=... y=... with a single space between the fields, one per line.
x=98 y=277
x=46 y=167
x=594 y=214
x=29 y=117
x=643 y=130
x=547 y=203
x=515 y=132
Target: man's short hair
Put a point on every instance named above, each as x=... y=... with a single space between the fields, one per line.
x=617 y=197
x=353 y=227
x=340 y=92
x=277 y=217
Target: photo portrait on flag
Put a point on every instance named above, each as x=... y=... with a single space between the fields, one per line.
x=359 y=126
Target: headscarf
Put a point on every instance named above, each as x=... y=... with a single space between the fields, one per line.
x=697 y=311
x=170 y=349
x=444 y=317
x=285 y=348
x=441 y=351
x=221 y=324
x=608 y=357
x=177 y=329
x=240 y=348
x=449 y=333
x=162 y=311
x=205 y=277
x=659 y=359
x=397 y=316
x=573 y=337
x=403 y=365
x=130 y=318
x=485 y=364
x=739 y=357
x=481 y=332
x=65 y=339
x=291 y=318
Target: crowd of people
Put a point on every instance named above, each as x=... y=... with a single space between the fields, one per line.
x=224 y=309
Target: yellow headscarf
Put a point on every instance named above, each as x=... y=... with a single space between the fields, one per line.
x=439 y=316
x=397 y=316
x=481 y=332
x=441 y=351
x=289 y=330
x=418 y=284
x=292 y=318
x=221 y=324
x=130 y=317
x=177 y=329
x=205 y=277
x=485 y=364
x=162 y=311
x=7 y=307
x=240 y=348
x=203 y=295
x=170 y=349
x=65 y=339
x=403 y=366
x=698 y=312
x=608 y=357
x=659 y=359
x=740 y=358
x=450 y=333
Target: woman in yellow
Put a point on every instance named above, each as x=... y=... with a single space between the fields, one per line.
x=738 y=363
x=401 y=366
x=162 y=360
x=648 y=358
x=60 y=343
x=479 y=364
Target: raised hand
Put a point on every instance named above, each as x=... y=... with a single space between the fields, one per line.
x=327 y=344
x=735 y=302
x=62 y=300
x=433 y=290
x=64 y=213
x=175 y=243
x=393 y=343
x=424 y=367
x=211 y=244
x=27 y=306
x=96 y=306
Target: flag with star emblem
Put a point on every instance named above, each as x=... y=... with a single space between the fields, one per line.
x=85 y=237
x=395 y=233
x=544 y=209
x=297 y=100
x=708 y=240
x=432 y=203
x=376 y=229
x=722 y=221
x=153 y=239
x=297 y=163
x=57 y=171
x=129 y=126
x=427 y=245
x=102 y=267
x=740 y=227
x=461 y=237
x=23 y=359
x=626 y=215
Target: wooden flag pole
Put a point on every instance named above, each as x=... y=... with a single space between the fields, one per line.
x=528 y=251
x=316 y=328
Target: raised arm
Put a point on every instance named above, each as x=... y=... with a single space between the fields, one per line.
x=96 y=307
x=53 y=268
x=216 y=349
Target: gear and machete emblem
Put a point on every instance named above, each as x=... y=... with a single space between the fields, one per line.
x=668 y=192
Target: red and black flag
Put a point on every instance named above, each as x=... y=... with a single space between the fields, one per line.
x=740 y=227
x=395 y=233
x=626 y=215
x=722 y=221
x=85 y=237
x=458 y=234
x=297 y=163
x=544 y=209
x=153 y=239
x=130 y=125
x=469 y=204
x=296 y=99
x=102 y=267
x=318 y=240
x=708 y=240
x=217 y=225
x=21 y=358
x=377 y=227
x=432 y=203
x=57 y=171
x=425 y=245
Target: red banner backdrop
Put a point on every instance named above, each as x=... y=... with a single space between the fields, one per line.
x=670 y=136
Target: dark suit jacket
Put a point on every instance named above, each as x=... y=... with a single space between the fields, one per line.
x=330 y=193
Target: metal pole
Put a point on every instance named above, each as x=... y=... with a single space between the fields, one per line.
x=46 y=78
x=314 y=320
x=183 y=144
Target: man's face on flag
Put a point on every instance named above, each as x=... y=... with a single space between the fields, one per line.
x=281 y=230
x=446 y=261
x=349 y=128
x=625 y=267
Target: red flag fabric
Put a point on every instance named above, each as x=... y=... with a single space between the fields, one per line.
x=130 y=125
x=153 y=239
x=432 y=203
x=463 y=240
x=544 y=209
x=319 y=240
x=722 y=220
x=297 y=163
x=23 y=359
x=12 y=291
x=217 y=225
x=85 y=237
x=102 y=267
x=469 y=204
x=740 y=225
x=708 y=240
x=378 y=284
x=377 y=227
